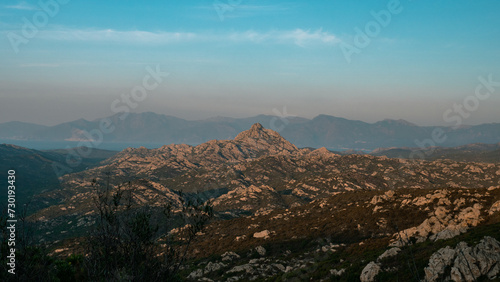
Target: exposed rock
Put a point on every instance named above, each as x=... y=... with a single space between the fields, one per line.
x=230 y=256
x=279 y=266
x=239 y=268
x=389 y=253
x=265 y=139
x=449 y=232
x=260 y=199
x=376 y=199
x=260 y=250
x=494 y=208
x=470 y=215
x=467 y=263
x=369 y=272
x=379 y=199
x=335 y=272
x=213 y=266
x=442 y=225
x=240 y=238
x=438 y=262
x=198 y=273
x=262 y=234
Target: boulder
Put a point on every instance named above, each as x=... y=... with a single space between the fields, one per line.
x=198 y=273
x=262 y=234
x=494 y=208
x=369 y=272
x=260 y=250
x=213 y=266
x=335 y=272
x=438 y=262
x=230 y=256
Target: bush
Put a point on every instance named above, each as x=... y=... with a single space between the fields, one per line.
x=127 y=244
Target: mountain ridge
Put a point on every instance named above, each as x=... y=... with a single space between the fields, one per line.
x=334 y=133
x=259 y=169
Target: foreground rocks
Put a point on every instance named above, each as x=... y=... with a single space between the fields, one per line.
x=369 y=272
x=466 y=263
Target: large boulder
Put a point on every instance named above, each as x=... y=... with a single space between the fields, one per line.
x=369 y=272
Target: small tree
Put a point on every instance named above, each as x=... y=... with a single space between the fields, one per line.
x=130 y=243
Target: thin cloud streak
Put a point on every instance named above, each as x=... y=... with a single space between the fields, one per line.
x=299 y=37
x=39 y=65
x=252 y=8
x=22 y=6
x=107 y=35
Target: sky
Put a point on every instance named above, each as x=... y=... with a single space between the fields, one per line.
x=62 y=60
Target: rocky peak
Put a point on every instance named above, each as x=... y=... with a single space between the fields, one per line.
x=261 y=138
x=257 y=131
x=257 y=126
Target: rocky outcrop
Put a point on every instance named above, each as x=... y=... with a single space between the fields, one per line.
x=250 y=198
x=373 y=268
x=438 y=263
x=494 y=208
x=389 y=253
x=230 y=256
x=369 y=272
x=260 y=250
x=336 y=272
x=443 y=223
x=464 y=263
x=262 y=234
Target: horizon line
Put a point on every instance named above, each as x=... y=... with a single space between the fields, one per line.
x=247 y=117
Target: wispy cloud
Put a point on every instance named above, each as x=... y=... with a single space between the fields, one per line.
x=243 y=10
x=249 y=8
x=135 y=36
x=304 y=37
x=299 y=37
x=22 y=6
x=39 y=65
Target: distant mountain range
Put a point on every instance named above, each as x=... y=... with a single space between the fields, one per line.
x=322 y=131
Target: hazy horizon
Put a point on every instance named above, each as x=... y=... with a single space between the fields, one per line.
x=242 y=117
x=252 y=57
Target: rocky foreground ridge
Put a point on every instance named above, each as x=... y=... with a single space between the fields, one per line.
x=299 y=213
x=360 y=235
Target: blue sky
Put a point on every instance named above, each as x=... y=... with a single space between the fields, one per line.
x=251 y=58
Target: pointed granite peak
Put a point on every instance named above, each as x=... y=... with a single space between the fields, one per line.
x=260 y=137
x=257 y=131
x=257 y=126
